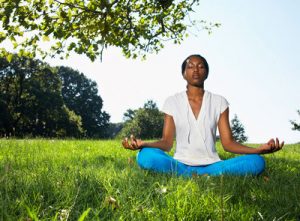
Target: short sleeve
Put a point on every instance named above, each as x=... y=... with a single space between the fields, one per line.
x=223 y=105
x=168 y=107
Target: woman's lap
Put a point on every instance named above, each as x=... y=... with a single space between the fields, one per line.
x=157 y=160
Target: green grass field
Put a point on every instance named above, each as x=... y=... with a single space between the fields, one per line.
x=98 y=180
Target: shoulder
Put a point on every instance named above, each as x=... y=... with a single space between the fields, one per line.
x=215 y=97
x=173 y=103
x=217 y=102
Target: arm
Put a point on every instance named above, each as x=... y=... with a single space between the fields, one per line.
x=165 y=143
x=230 y=145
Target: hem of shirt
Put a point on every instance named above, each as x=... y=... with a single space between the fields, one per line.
x=201 y=162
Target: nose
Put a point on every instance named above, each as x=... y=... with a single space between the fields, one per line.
x=196 y=68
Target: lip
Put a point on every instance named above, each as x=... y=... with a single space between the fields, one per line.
x=195 y=76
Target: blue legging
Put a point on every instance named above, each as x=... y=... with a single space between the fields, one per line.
x=157 y=160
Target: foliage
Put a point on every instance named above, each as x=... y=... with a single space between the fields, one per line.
x=80 y=94
x=99 y=180
x=238 y=131
x=296 y=126
x=31 y=101
x=145 y=123
x=38 y=100
x=129 y=115
x=114 y=129
x=88 y=27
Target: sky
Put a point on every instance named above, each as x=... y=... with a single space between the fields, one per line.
x=254 y=63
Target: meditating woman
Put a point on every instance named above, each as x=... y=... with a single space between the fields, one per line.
x=193 y=116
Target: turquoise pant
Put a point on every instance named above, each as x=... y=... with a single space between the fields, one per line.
x=157 y=160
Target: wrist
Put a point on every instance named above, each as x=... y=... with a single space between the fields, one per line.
x=259 y=150
x=142 y=144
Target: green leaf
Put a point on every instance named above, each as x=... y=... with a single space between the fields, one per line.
x=9 y=57
x=45 y=38
x=133 y=26
x=49 y=31
x=84 y=214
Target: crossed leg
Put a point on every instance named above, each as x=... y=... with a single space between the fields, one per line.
x=157 y=160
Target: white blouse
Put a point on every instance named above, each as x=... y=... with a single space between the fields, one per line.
x=195 y=138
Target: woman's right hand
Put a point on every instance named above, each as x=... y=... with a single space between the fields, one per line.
x=133 y=144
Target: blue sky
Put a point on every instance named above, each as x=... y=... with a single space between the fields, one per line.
x=254 y=63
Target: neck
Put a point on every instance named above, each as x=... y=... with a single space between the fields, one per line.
x=193 y=91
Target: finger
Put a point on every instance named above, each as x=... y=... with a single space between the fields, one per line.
x=132 y=138
x=273 y=144
x=126 y=144
x=278 y=145
x=125 y=140
x=134 y=141
x=277 y=142
x=270 y=142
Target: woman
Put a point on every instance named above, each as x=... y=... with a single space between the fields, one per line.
x=194 y=115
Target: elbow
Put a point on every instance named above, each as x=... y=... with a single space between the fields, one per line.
x=169 y=147
x=226 y=149
x=227 y=145
x=166 y=144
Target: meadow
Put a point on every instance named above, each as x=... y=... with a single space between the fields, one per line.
x=43 y=179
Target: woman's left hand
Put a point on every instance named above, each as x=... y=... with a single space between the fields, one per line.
x=134 y=144
x=270 y=147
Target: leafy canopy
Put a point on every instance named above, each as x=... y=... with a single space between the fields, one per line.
x=31 y=103
x=86 y=27
x=145 y=123
x=80 y=95
x=39 y=100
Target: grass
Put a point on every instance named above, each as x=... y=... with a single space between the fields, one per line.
x=98 y=180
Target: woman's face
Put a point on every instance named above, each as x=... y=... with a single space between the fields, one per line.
x=195 y=72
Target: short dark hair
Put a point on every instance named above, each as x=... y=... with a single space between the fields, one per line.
x=183 y=66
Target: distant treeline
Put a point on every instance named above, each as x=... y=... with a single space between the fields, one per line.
x=37 y=100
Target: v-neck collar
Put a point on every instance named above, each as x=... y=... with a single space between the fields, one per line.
x=201 y=112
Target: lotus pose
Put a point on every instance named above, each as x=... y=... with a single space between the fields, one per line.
x=193 y=116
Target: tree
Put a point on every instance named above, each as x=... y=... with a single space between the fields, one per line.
x=31 y=101
x=145 y=123
x=296 y=126
x=238 y=131
x=114 y=129
x=80 y=94
x=88 y=27
x=129 y=115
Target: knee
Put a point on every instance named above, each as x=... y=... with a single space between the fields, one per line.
x=147 y=157
x=258 y=162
